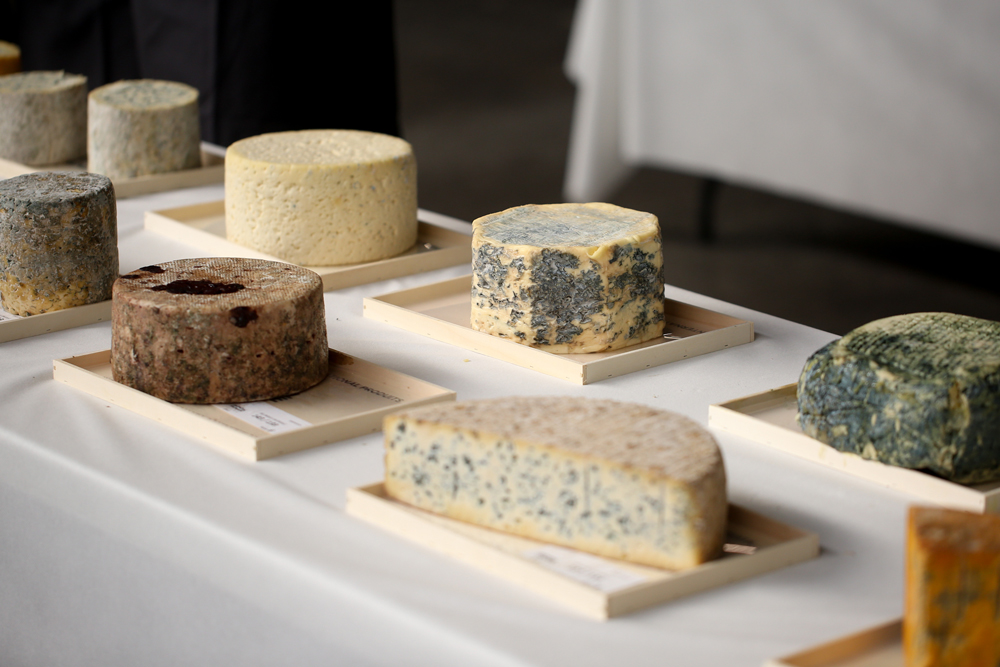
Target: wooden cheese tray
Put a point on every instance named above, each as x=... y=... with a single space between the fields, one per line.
x=212 y=170
x=613 y=588
x=881 y=646
x=443 y=311
x=769 y=418
x=13 y=327
x=352 y=401
x=204 y=226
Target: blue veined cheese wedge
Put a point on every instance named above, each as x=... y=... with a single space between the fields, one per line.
x=615 y=479
x=43 y=117
x=322 y=197
x=142 y=127
x=919 y=391
x=58 y=241
x=568 y=278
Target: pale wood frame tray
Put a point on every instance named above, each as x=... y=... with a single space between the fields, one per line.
x=212 y=170
x=443 y=311
x=352 y=401
x=204 y=226
x=777 y=545
x=57 y=320
x=769 y=418
x=881 y=646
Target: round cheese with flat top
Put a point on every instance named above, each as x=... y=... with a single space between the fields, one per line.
x=219 y=330
x=142 y=127
x=568 y=278
x=10 y=58
x=58 y=241
x=322 y=197
x=43 y=117
x=616 y=479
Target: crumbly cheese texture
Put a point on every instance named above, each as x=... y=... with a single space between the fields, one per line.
x=920 y=391
x=615 y=479
x=142 y=127
x=952 y=614
x=322 y=197
x=568 y=278
x=10 y=58
x=43 y=117
x=58 y=241
x=219 y=330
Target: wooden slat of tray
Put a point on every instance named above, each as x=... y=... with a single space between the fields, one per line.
x=204 y=226
x=881 y=646
x=443 y=311
x=769 y=418
x=777 y=545
x=57 y=320
x=352 y=401
x=212 y=170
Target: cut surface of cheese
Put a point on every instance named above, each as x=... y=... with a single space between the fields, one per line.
x=920 y=391
x=10 y=58
x=141 y=127
x=952 y=612
x=322 y=197
x=219 y=330
x=58 y=241
x=568 y=278
x=43 y=117
x=615 y=479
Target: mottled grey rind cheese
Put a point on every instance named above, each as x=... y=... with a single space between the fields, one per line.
x=43 y=117
x=141 y=127
x=615 y=479
x=219 y=330
x=568 y=278
x=58 y=241
x=918 y=391
x=322 y=197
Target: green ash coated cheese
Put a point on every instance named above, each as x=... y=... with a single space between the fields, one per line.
x=919 y=391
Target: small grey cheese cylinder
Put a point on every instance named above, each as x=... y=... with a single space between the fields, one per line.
x=58 y=241
x=141 y=127
x=43 y=117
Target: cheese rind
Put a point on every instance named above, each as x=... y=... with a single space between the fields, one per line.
x=322 y=197
x=43 y=117
x=10 y=58
x=568 y=278
x=615 y=479
x=58 y=241
x=142 y=127
x=920 y=391
x=952 y=612
x=219 y=330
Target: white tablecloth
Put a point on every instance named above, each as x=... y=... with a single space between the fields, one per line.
x=884 y=107
x=123 y=542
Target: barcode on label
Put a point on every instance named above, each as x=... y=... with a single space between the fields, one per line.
x=264 y=416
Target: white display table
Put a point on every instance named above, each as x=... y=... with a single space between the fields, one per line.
x=123 y=542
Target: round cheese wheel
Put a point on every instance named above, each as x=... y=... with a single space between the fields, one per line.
x=58 y=241
x=219 y=330
x=322 y=197
x=43 y=117
x=10 y=58
x=568 y=278
x=141 y=127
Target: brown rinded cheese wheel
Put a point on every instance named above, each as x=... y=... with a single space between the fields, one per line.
x=10 y=58
x=219 y=330
x=58 y=241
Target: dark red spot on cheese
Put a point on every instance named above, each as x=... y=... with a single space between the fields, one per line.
x=242 y=316
x=153 y=268
x=198 y=287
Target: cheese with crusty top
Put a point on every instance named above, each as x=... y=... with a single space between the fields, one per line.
x=43 y=117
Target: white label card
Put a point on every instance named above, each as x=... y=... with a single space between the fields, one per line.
x=264 y=416
x=4 y=316
x=585 y=568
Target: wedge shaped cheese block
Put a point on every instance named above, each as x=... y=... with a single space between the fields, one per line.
x=219 y=330
x=43 y=117
x=952 y=612
x=568 y=278
x=58 y=241
x=615 y=479
x=322 y=197
x=142 y=127
x=10 y=58
x=919 y=391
